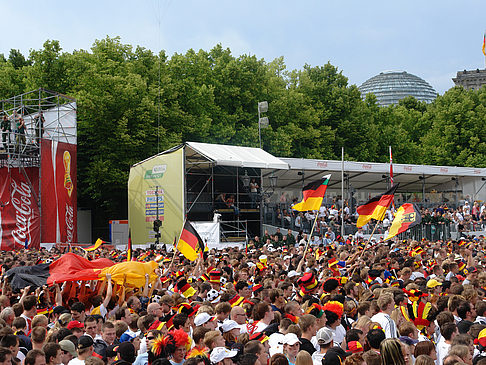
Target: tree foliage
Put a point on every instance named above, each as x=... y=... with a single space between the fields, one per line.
x=133 y=103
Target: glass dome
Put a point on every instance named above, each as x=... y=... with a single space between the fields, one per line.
x=391 y=86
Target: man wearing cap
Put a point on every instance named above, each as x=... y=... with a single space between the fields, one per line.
x=76 y=327
x=126 y=354
x=68 y=351
x=205 y=320
x=222 y=356
x=434 y=288
x=324 y=340
x=85 y=349
x=291 y=347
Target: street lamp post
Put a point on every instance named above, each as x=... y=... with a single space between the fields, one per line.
x=262 y=121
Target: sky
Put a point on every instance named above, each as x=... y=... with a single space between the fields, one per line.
x=432 y=39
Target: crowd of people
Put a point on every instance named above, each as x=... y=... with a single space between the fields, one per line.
x=348 y=302
x=464 y=219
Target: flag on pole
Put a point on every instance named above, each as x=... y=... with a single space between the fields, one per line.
x=408 y=216
x=376 y=207
x=484 y=44
x=190 y=243
x=129 y=248
x=97 y=244
x=391 y=167
x=313 y=194
x=26 y=244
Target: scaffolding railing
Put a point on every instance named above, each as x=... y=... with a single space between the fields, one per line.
x=28 y=118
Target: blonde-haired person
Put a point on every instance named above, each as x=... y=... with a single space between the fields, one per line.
x=393 y=353
x=363 y=324
x=303 y=358
x=63 y=320
x=386 y=303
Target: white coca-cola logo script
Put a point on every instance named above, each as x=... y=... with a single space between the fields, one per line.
x=69 y=223
x=21 y=201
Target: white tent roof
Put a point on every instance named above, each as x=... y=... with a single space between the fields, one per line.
x=225 y=155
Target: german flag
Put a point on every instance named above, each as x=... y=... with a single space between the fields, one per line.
x=129 y=248
x=313 y=194
x=376 y=207
x=97 y=245
x=190 y=244
x=406 y=217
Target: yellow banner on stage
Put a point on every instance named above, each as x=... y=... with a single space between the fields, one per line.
x=157 y=181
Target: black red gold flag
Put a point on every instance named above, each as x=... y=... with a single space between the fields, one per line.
x=376 y=207
x=407 y=216
x=313 y=194
x=190 y=243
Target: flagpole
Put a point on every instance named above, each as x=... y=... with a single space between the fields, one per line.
x=369 y=239
x=301 y=263
x=342 y=192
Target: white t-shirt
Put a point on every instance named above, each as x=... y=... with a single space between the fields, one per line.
x=76 y=361
x=442 y=350
x=338 y=334
x=260 y=326
x=386 y=323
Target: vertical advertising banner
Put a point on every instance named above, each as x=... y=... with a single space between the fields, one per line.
x=156 y=182
x=59 y=199
x=19 y=210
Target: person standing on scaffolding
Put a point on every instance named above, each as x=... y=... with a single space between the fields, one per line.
x=20 y=133
x=39 y=127
x=6 y=130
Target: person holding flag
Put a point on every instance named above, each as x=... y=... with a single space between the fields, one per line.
x=313 y=194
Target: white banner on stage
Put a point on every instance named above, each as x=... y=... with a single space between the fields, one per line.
x=209 y=232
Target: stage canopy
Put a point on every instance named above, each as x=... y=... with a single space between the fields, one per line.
x=224 y=155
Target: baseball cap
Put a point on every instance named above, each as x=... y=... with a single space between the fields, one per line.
x=202 y=318
x=68 y=346
x=110 y=351
x=228 y=325
x=291 y=339
x=432 y=283
x=75 y=324
x=324 y=336
x=220 y=353
x=355 y=347
x=84 y=342
x=126 y=350
x=333 y=356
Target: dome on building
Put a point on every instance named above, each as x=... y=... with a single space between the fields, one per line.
x=391 y=86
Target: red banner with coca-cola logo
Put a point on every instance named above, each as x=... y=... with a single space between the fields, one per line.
x=59 y=202
x=19 y=209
